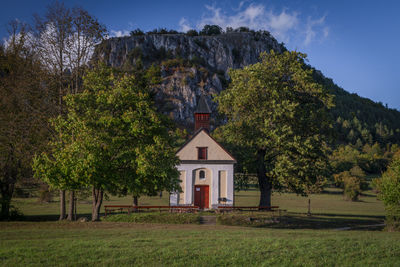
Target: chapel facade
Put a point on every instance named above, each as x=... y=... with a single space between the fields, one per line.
x=206 y=168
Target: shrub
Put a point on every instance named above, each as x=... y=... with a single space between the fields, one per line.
x=390 y=193
x=162 y=31
x=351 y=184
x=352 y=187
x=175 y=62
x=211 y=30
x=242 y=29
x=376 y=185
x=137 y=32
x=192 y=33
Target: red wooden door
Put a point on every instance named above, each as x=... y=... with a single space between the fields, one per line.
x=201 y=196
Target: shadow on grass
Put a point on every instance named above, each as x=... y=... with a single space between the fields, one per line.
x=49 y=218
x=328 y=221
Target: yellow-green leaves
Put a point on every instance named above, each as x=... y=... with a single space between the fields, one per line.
x=275 y=108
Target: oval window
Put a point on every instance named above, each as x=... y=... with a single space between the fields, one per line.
x=202 y=174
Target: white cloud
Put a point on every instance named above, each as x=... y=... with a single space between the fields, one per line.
x=184 y=25
x=285 y=25
x=119 y=33
x=313 y=27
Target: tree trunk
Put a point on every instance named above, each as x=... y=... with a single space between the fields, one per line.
x=135 y=203
x=97 y=195
x=5 y=209
x=71 y=204
x=7 y=183
x=62 y=205
x=264 y=182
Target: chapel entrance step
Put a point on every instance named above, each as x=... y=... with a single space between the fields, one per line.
x=211 y=220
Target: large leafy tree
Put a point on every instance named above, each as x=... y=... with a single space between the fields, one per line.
x=113 y=140
x=24 y=107
x=65 y=39
x=277 y=121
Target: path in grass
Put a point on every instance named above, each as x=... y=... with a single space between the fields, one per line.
x=123 y=244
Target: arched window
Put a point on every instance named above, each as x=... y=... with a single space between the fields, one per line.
x=202 y=174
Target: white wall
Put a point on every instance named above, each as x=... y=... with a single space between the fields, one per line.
x=214 y=168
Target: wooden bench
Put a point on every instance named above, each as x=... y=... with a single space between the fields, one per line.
x=130 y=208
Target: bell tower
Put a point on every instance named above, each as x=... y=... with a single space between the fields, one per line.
x=202 y=115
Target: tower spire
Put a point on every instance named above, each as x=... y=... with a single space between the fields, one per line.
x=202 y=115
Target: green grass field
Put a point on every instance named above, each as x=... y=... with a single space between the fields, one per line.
x=297 y=240
x=330 y=202
x=126 y=244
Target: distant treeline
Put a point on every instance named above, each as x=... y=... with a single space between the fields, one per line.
x=207 y=30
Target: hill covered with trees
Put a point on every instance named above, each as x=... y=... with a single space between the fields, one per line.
x=195 y=63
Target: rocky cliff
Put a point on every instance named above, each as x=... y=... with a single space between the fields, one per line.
x=195 y=65
x=190 y=65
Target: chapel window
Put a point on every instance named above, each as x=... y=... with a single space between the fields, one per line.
x=202 y=153
x=202 y=174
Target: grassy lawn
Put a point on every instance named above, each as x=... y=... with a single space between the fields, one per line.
x=330 y=202
x=296 y=240
x=329 y=209
x=122 y=244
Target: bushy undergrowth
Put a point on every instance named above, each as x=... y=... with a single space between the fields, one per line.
x=155 y=217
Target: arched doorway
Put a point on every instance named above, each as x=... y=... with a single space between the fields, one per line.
x=201 y=186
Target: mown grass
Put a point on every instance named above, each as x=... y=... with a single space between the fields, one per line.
x=155 y=217
x=330 y=202
x=125 y=244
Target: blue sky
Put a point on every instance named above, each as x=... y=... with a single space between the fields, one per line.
x=356 y=43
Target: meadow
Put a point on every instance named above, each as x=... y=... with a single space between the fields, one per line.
x=299 y=241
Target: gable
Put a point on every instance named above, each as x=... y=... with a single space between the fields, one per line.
x=203 y=139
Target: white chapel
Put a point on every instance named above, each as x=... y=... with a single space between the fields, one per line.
x=206 y=168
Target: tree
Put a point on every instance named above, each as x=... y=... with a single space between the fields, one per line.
x=389 y=187
x=65 y=41
x=113 y=140
x=211 y=30
x=24 y=107
x=277 y=115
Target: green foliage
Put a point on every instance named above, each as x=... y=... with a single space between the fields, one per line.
x=370 y=159
x=352 y=182
x=26 y=101
x=162 y=31
x=277 y=118
x=136 y=32
x=376 y=185
x=153 y=75
x=192 y=33
x=361 y=118
x=211 y=30
x=172 y=63
x=155 y=217
x=352 y=186
x=390 y=193
x=112 y=139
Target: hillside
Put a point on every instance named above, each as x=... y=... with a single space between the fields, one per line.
x=195 y=65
